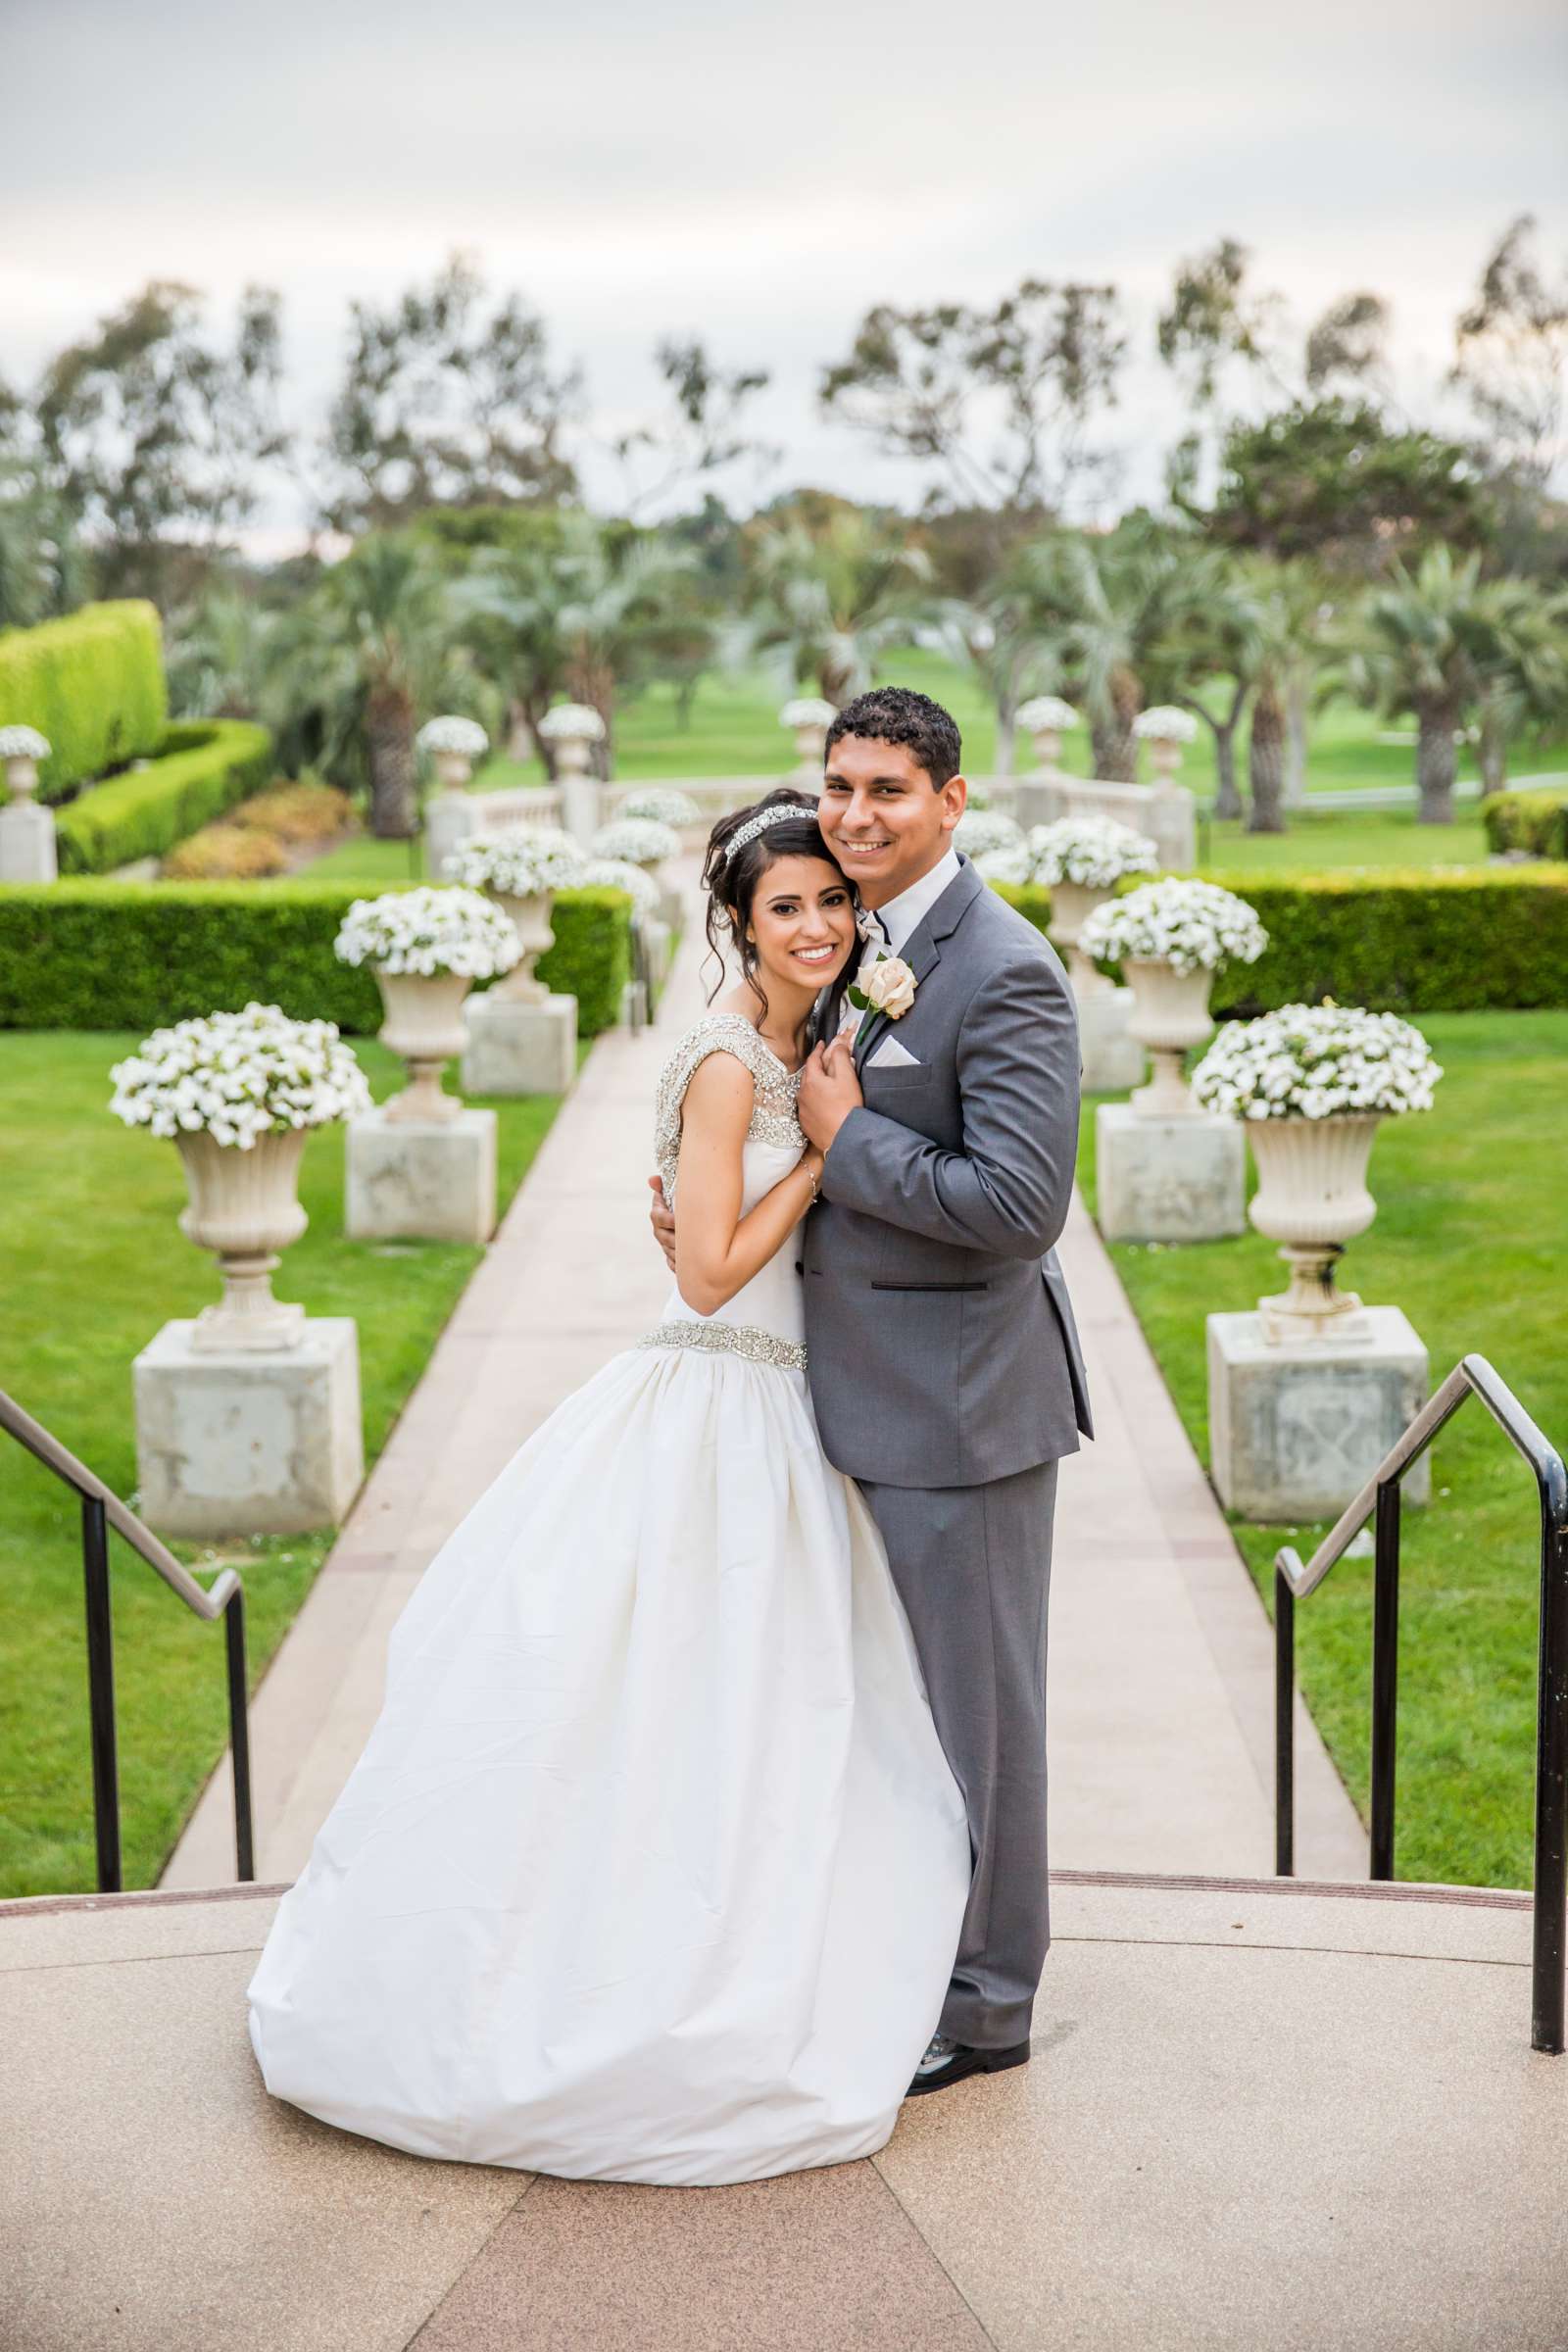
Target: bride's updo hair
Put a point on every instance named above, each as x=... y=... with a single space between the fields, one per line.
x=730 y=876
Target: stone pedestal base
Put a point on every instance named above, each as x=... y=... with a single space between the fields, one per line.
x=449 y=819
x=657 y=948
x=1038 y=801
x=520 y=1049
x=27 y=844
x=671 y=907
x=239 y=1443
x=1113 y=1062
x=1169 y=1180
x=422 y=1180
x=1296 y=1431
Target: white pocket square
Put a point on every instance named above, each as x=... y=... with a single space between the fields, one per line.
x=890 y=1054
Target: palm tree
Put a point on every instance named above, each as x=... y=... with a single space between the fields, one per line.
x=827 y=601
x=1103 y=610
x=1438 y=642
x=355 y=663
x=1523 y=669
x=584 y=612
x=1279 y=607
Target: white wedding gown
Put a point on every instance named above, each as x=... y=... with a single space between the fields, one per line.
x=653 y=1868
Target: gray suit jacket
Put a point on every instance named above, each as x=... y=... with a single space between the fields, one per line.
x=941 y=1339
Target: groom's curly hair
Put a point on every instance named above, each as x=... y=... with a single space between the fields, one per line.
x=898 y=715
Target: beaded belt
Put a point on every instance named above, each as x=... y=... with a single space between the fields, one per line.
x=731 y=1339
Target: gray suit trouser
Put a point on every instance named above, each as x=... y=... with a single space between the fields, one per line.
x=972 y=1568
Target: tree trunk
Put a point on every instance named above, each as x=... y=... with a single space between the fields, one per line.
x=389 y=741
x=1435 y=762
x=1296 y=743
x=1493 y=751
x=1265 y=763
x=1227 y=792
x=522 y=743
x=1115 y=745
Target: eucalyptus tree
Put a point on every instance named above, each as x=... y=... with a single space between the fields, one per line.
x=826 y=600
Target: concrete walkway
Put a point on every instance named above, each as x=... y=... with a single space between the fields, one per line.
x=1160 y=1677
x=1257 y=2119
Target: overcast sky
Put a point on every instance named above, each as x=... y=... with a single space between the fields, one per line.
x=761 y=178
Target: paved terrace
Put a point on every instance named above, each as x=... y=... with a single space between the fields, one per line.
x=1256 y=2117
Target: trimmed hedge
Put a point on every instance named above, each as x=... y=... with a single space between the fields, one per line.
x=1396 y=940
x=203 y=769
x=95 y=954
x=93 y=683
x=1535 y=823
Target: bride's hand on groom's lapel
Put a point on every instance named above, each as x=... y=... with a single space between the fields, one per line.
x=830 y=1089
x=662 y=1221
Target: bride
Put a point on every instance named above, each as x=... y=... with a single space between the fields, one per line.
x=653 y=1868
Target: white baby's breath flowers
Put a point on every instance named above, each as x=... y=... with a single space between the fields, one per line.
x=521 y=863
x=465 y=736
x=24 y=743
x=239 y=1076
x=618 y=874
x=1165 y=723
x=1046 y=714
x=1094 y=851
x=638 y=840
x=1011 y=865
x=1317 y=1061
x=429 y=931
x=579 y=719
x=1192 y=926
x=981 y=831
x=808 y=711
x=663 y=804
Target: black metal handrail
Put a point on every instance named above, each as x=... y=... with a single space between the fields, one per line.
x=102 y=1510
x=1379 y=1499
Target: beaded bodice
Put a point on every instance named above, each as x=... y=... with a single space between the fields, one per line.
x=773 y=1120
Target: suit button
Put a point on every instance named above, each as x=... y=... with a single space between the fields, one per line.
x=800 y=1265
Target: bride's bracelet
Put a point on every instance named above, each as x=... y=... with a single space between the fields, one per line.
x=811 y=1180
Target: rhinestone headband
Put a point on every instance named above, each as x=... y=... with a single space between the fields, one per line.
x=778 y=815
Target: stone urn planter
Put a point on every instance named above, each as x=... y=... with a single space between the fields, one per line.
x=27 y=850
x=424 y=1028
x=529 y=918
x=808 y=719
x=1167 y=730
x=244 y=1206
x=1311 y=1198
x=654 y=847
x=572 y=729
x=1045 y=719
x=1170 y=1015
x=522 y=868
x=1071 y=906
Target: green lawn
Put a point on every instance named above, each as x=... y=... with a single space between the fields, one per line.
x=1469 y=1240
x=94 y=1265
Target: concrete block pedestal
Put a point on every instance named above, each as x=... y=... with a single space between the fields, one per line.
x=252 y=1441
x=1169 y=1180
x=429 y=1180
x=516 y=1047
x=1298 y=1428
x=28 y=850
x=1114 y=1063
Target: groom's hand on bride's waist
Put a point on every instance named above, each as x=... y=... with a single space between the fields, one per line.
x=662 y=1221
x=830 y=1089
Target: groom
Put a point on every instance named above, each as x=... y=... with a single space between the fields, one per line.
x=943 y=1363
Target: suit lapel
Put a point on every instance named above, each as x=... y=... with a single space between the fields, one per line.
x=920 y=951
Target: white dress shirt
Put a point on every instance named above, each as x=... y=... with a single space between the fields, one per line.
x=901 y=918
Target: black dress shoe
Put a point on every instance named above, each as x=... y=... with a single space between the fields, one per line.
x=946 y=2061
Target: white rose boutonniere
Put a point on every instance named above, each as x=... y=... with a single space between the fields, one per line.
x=889 y=988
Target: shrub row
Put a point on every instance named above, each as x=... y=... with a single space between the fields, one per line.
x=93 y=683
x=89 y=954
x=1400 y=941
x=203 y=769
x=1534 y=821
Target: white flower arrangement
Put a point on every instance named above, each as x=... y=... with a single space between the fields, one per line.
x=1192 y=926
x=1165 y=723
x=979 y=832
x=1004 y=865
x=1094 y=851
x=1313 y=1062
x=521 y=864
x=239 y=1076
x=637 y=840
x=616 y=873
x=429 y=931
x=24 y=743
x=663 y=804
x=808 y=711
x=465 y=736
x=579 y=719
x=1046 y=714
